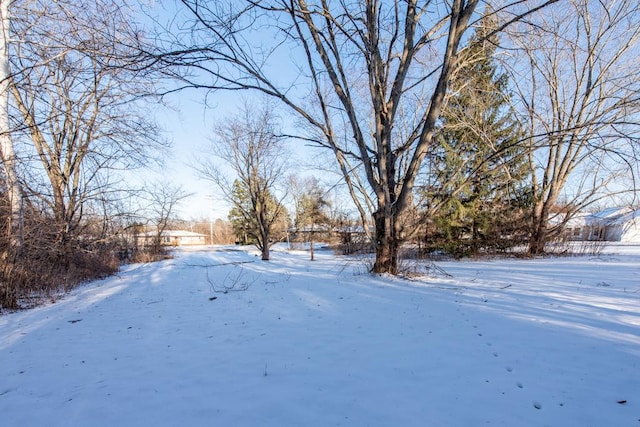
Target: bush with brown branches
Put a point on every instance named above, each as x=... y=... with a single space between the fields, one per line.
x=44 y=266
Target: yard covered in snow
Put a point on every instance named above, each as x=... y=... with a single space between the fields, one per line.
x=552 y=342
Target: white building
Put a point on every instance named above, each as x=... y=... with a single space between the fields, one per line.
x=614 y=225
x=173 y=238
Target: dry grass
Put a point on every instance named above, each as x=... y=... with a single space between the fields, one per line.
x=28 y=277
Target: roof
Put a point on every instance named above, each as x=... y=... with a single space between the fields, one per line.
x=560 y=218
x=609 y=213
x=613 y=216
x=318 y=228
x=173 y=233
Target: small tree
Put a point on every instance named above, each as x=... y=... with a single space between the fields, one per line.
x=162 y=199
x=249 y=145
x=244 y=220
x=311 y=210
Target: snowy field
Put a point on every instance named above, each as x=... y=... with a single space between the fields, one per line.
x=547 y=342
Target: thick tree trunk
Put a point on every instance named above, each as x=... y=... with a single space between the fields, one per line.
x=539 y=232
x=537 y=241
x=386 y=242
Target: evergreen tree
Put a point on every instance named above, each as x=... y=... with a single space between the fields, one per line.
x=311 y=211
x=256 y=217
x=479 y=169
x=239 y=215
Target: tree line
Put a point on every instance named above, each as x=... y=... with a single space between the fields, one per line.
x=462 y=126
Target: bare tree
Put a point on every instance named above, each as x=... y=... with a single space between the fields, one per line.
x=580 y=97
x=162 y=200
x=248 y=144
x=354 y=67
x=78 y=96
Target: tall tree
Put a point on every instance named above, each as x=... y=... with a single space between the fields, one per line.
x=7 y=151
x=78 y=95
x=351 y=69
x=479 y=163
x=249 y=144
x=578 y=86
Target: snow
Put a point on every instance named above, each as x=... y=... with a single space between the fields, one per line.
x=544 y=342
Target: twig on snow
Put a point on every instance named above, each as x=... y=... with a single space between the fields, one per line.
x=230 y=282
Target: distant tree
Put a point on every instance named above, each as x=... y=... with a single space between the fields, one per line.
x=249 y=145
x=241 y=215
x=245 y=220
x=311 y=210
x=222 y=232
x=479 y=164
x=161 y=200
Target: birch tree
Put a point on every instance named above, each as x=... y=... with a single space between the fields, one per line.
x=348 y=69
x=7 y=152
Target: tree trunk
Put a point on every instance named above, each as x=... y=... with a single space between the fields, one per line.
x=264 y=230
x=538 y=237
x=475 y=235
x=386 y=242
x=537 y=241
x=7 y=153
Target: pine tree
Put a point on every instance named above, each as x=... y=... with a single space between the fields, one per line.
x=256 y=217
x=239 y=215
x=479 y=169
x=311 y=211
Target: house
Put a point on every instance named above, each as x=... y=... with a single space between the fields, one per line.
x=575 y=229
x=172 y=238
x=614 y=225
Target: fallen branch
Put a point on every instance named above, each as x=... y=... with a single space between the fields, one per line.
x=230 y=283
x=432 y=265
x=219 y=265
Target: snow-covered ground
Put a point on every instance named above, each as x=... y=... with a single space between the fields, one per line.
x=547 y=342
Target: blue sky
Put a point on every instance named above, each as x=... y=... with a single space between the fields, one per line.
x=189 y=127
